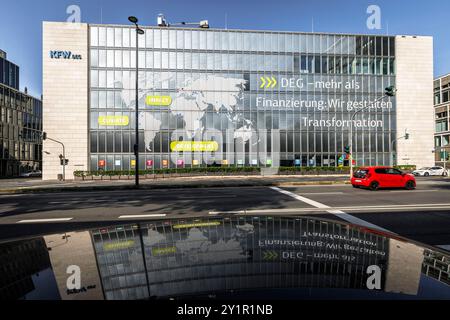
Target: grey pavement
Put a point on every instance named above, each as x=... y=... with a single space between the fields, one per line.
x=37 y=185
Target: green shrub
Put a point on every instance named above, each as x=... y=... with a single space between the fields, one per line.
x=406 y=167
x=203 y=170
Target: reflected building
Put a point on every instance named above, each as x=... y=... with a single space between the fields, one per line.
x=120 y=258
x=24 y=265
x=442 y=119
x=237 y=257
x=20 y=124
x=74 y=249
x=232 y=255
x=437 y=266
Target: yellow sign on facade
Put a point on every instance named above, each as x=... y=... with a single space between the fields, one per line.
x=194 y=146
x=133 y=163
x=163 y=251
x=197 y=225
x=164 y=101
x=113 y=121
x=118 y=245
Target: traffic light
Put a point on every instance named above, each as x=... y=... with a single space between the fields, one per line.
x=64 y=162
x=44 y=136
x=390 y=91
x=406 y=136
x=347 y=149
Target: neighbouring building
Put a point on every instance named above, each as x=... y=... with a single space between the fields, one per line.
x=442 y=110
x=20 y=124
x=233 y=97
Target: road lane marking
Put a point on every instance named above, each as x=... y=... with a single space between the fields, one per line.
x=216 y=213
x=45 y=220
x=354 y=208
x=206 y=197
x=403 y=208
x=324 y=193
x=410 y=191
x=338 y=213
x=143 y=216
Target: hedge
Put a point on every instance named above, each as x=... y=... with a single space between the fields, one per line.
x=169 y=171
x=336 y=170
x=314 y=169
x=406 y=168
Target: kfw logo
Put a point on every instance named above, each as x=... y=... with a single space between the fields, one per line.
x=64 y=55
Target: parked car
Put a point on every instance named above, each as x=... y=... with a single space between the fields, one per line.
x=31 y=174
x=431 y=171
x=375 y=178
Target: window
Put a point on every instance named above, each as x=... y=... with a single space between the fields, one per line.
x=94 y=78
x=94 y=36
x=441 y=126
x=110 y=37
x=118 y=37
x=126 y=37
x=102 y=37
x=102 y=58
x=445 y=96
x=393 y=171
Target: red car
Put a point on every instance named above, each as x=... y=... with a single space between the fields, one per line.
x=375 y=178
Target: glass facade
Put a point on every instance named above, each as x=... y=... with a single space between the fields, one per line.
x=181 y=258
x=239 y=98
x=9 y=73
x=20 y=132
x=442 y=119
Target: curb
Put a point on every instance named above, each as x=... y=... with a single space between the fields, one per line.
x=31 y=190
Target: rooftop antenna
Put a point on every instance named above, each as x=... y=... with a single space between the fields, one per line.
x=162 y=22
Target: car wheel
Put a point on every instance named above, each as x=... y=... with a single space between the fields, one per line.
x=355 y=186
x=374 y=186
x=410 y=185
x=444 y=174
x=426 y=174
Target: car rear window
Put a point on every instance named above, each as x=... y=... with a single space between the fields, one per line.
x=361 y=173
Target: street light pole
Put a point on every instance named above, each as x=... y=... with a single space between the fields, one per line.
x=139 y=31
x=45 y=137
x=406 y=136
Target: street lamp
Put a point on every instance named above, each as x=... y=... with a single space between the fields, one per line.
x=406 y=137
x=389 y=92
x=63 y=158
x=139 y=31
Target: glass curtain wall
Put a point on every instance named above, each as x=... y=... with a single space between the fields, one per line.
x=263 y=98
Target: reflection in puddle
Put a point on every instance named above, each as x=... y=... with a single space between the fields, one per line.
x=217 y=257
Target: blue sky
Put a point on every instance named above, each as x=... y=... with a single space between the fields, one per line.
x=21 y=21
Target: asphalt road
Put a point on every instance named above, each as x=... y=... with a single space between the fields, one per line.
x=422 y=215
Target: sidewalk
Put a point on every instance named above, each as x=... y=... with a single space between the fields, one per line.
x=36 y=185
